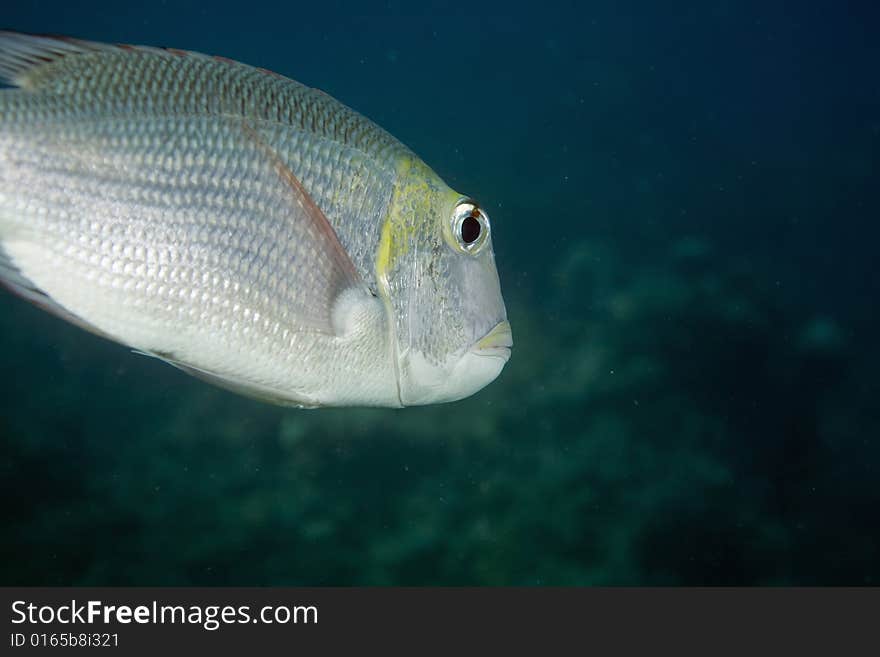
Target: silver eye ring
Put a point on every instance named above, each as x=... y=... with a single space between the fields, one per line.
x=470 y=226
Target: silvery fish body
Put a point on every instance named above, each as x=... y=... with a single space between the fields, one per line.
x=248 y=229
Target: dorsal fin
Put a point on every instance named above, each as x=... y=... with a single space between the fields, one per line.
x=21 y=54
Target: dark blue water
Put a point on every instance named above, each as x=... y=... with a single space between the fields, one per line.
x=685 y=207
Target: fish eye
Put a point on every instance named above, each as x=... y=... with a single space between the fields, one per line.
x=470 y=226
x=470 y=230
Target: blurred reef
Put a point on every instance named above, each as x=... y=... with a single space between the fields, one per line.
x=669 y=423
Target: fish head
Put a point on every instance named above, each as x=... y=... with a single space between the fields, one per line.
x=437 y=273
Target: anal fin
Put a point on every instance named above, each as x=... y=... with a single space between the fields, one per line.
x=12 y=278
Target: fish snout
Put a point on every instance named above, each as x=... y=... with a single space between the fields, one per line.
x=496 y=343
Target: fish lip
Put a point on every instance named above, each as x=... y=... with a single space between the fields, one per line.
x=496 y=343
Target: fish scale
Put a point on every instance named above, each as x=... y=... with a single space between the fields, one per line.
x=151 y=195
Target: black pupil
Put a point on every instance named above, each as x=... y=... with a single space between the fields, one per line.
x=470 y=230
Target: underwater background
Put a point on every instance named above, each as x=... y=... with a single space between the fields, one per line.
x=685 y=202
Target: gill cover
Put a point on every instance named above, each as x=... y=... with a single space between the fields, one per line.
x=437 y=276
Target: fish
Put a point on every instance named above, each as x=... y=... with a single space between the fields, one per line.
x=248 y=229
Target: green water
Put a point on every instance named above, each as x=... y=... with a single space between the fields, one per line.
x=684 y=206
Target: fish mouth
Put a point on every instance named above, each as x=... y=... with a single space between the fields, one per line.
x=496 y=343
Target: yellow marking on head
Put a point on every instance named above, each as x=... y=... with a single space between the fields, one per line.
x=419 y=199
x=500 y=336
x=383 y=256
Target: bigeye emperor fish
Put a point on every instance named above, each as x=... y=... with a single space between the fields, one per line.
x=241 y=226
